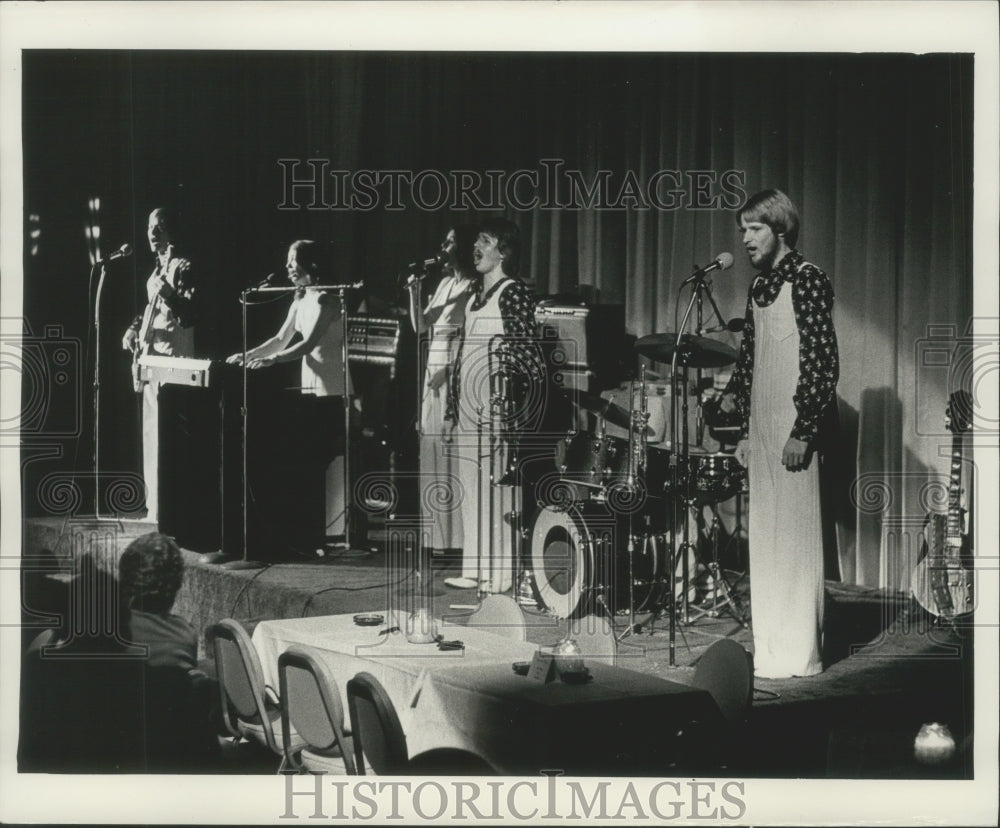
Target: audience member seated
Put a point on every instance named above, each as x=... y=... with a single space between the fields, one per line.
x=151 y=571
x=91 y=704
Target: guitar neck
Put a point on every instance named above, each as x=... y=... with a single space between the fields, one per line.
x=953 y=528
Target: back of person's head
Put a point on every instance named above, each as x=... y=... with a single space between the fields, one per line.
x=776 y=210
x=151 y=571
x=508 y=238
x=465 y=240
x=95 y=617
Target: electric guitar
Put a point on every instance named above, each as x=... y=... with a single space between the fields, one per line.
x=141 y=345
x=943 y=576
x=145 y=337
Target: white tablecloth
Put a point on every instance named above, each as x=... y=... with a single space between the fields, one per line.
x=402 y=668
x=472 y=698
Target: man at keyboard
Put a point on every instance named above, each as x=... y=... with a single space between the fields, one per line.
x=166 y=327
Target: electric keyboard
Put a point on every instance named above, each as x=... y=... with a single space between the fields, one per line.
x=169 y=370
x=373 y=341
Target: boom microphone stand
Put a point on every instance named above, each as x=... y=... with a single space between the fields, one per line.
x=681 y=464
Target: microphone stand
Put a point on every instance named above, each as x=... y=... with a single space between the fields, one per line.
x=97 y=389
x=244 y=562
x=418 y=323
x=222 y=557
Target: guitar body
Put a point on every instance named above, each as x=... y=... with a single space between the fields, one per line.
x=142 y=345
x=942 y=582
x=943 y=577
x=145 y=336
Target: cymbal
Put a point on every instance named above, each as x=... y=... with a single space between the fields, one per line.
x=612 y=413
x=695 y=351
x=596 y=404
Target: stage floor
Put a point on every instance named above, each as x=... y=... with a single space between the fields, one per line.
x=888 y=668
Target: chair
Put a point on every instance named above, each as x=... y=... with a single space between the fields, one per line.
x=595 y=638
x=501 y=615
x=242 y=689
x=375 y=727
x=726 y=672
x=449 y=762
x=312 y=708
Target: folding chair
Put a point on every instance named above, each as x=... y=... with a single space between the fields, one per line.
x=242 y=690
x=375 y=727
x=311 y=707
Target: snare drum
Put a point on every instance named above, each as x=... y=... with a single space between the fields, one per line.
x=714 y=476
x=581 y=554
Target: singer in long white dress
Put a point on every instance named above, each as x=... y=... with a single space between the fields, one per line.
x=783 y=385
x=499 y=363
x=442 y=319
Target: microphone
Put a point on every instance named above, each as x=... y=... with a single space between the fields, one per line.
x=122 y=252
x=723 y=261
x=439 y=259
x=734 y=325
x=265 y=280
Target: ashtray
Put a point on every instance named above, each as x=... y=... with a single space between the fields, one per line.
x=521 y=667
x=368 y=619
x=576 y=678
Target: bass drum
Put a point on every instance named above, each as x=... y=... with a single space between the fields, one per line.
x=580 y=558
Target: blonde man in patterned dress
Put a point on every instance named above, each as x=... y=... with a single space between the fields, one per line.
x=784 y=382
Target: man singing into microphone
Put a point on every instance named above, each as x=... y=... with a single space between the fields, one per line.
x=782 y=387
x=165 y=327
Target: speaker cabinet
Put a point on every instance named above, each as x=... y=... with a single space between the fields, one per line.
x=585 y=343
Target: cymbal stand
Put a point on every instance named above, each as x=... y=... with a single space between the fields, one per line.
x=637 y=449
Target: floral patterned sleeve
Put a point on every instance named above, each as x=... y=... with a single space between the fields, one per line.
x=742 y=379
x=819 y=366
x=520 y=350
x=185 y=300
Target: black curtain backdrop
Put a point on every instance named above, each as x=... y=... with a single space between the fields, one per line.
x=876 y=150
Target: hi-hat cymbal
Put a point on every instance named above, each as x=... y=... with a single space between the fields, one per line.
x=695 y=351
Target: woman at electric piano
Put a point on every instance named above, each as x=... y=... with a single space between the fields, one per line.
x=312 y=332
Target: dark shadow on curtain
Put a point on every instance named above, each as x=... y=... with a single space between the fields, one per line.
x=838 y=470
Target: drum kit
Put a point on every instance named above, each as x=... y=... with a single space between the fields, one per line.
x=618 y=540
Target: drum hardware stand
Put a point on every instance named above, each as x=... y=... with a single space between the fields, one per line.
x=719 y=582
x=667 y=602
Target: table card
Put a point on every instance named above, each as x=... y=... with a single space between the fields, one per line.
x=543 y=667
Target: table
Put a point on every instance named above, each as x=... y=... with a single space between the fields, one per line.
x=348 y=649
x=619 y=722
